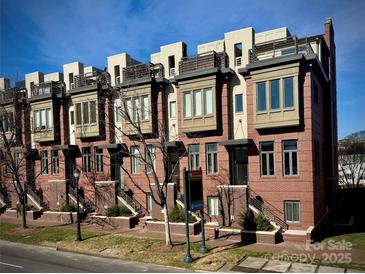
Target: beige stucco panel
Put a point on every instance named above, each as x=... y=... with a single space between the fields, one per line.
x=35 y=77
x=76 y=68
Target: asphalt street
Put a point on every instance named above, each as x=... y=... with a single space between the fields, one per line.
x=16 y=257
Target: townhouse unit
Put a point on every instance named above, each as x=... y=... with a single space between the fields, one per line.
x=256 y=112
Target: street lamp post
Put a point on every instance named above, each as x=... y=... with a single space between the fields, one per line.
x=77 y=176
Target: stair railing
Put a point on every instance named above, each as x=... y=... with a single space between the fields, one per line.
x=132 y=202
x=35 y=197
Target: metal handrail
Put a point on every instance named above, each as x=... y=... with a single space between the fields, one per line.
x=268 y=210
x=34 y=196
x=132 y=202
x=72 y=191
x=50 y=87
x=140 y=71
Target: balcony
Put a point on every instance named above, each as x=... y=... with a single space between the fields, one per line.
x=278 y=48
x=48 y=89
x=143 y=72
x=11 y=95
x=91 y=78
x=204 y=61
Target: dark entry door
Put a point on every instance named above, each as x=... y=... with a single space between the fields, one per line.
x=240 y=161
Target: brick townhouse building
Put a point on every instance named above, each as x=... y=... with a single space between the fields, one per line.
x=256 y=112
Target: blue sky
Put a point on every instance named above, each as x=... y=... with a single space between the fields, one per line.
x=44 y=34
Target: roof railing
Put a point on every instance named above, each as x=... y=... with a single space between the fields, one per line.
x=203 y=61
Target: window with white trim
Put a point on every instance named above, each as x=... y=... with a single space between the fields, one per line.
x=43 y=119
x=86 y=113
x=213 y=206
x=290 y=157
x=173 y=109
x=99 y=165
x=292 y=211
x=150 y=158
x=198 y=103
x=44 y=162
x=86 y=159
x=194 y=157
x=135 y=162
x=138 y=108
x=55 y=162
x=267 y=158
x=212 y=158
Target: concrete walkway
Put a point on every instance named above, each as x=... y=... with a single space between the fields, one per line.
x=254 y=265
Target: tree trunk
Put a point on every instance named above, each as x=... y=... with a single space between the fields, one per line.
x=167 y=226
x=24 y=212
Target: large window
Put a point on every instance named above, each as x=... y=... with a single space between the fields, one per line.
x=239 y=103
x=292 y=211
x=43 y=119
x=275 y=94
x=288 y=92
x=86 y=113
x=290 y=156
x=7 y=120
x=198 y=102
x=99 y=165
x=267 y=159
x=213 y=206
x=86 y=159
x=212 y=158
x=135 y=159
x=194 y=157
x=138 y=108
x=55 y=162
x=150 y=158
x=44 y=162
x=261 y=96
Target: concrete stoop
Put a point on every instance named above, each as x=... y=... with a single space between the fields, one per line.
x=256 y=265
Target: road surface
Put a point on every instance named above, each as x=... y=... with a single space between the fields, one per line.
x=16 y=257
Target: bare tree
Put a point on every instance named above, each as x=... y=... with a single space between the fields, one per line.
x=147 y=150
x=351 y=163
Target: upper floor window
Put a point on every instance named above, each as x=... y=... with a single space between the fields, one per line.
x=267 y=158
x=150 y=158
x=173 y=109
x=198 y=102
x=290 y=156
x=138 y=108
x=7 y=120
x=239 y=103
x=238 y=54
x=44 y=162
x=194 y=157
x=98 y=160
x=212 y=158
x=86 y=113
x=275 y=94
x=86 y=159
x=117 y=114
x=261 y=96
x=117 y=74
x=55 y=162
x=288 y=92
x=43 y=119
x=135 y=159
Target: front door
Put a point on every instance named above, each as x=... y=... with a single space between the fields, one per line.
x=239 y=168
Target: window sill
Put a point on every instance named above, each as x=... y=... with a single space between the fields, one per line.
x=276 y=110
x=291 y=176
x=289 y=109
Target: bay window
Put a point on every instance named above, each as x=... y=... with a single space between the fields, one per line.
x=198 y=102
x=43 y=119
x=86 y=113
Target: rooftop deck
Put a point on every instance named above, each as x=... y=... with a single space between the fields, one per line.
x=10 y=95
x=45 y=88
x=203 y=61
x=143 y=71
x=282 y=47
x=91 y=78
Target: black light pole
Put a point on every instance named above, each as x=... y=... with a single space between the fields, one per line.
x=76 y=176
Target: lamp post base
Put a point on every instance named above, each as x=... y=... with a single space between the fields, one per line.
x=188 y=259
x=203 y=249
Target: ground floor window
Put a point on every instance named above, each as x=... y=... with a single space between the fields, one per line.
x=292 y=211
x=44 y=162
x=99 y=160
x=149 y=201
x=55 y=162
x=213 y=206
x=194 y=157
x=86 y=159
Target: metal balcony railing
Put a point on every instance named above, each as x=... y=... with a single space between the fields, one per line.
x=11 y=95
x=203 y=61
x=51 y=87
x=281 y=47
x=142 y=71
x=91 y=78
x=268 y=210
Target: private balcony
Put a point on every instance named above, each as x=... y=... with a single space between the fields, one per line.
x=48 y=89
x=279 y=48
x=141 y=72
x=10 y=96
x=203 y=61
x=90 y=79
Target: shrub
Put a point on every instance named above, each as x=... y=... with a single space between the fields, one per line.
x=247 y=220
x=116 y=211
x=177 y=215
x=263 y=224
x=67 y=208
